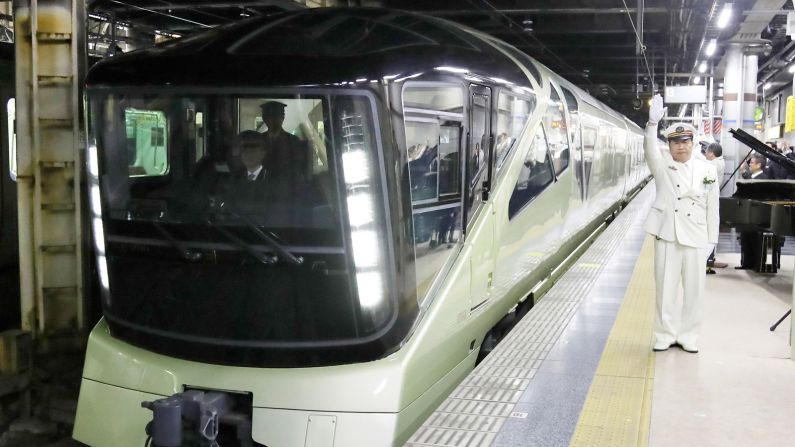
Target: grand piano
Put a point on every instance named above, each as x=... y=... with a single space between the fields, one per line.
x=761 y=210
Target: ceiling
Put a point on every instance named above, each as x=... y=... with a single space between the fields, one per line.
x=592 y=43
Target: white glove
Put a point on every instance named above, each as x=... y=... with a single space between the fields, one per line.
x=656 y=111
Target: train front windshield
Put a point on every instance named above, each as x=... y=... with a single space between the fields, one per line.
x=242 y=229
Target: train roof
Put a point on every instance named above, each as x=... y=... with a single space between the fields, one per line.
x=309 y=47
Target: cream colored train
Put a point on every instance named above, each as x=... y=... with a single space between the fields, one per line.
x=417 y=181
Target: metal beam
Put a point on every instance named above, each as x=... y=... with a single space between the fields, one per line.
x=612 y=58
x=287 y=5
x=574 y=32
x=546 y=11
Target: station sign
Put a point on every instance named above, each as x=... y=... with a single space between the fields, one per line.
x=686 y=94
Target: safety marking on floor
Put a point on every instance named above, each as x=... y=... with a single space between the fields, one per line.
x=589 y=265
x=617 y=411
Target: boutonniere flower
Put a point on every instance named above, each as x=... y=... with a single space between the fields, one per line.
x=672 y=168
x=708 y=180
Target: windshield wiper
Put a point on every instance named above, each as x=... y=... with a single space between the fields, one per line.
x=243 y=245
x=184 y=251
x=265 y=237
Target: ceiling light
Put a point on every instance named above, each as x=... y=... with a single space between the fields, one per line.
x=702 y=67
x=244 y=13
x=711 y=47
x=768 y=85
x=725 y=15
x=697 y=80
x=792 y=68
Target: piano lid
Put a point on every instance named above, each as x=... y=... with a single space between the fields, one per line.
x=748 y=140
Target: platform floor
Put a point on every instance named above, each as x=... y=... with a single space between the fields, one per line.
x=578 y=370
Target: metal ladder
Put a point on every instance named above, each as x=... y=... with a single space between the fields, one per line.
x=49 y=167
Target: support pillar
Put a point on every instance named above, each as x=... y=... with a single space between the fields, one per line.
x=733 y=95
x=50 y=55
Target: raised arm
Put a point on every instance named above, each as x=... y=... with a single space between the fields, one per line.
x=653 y=157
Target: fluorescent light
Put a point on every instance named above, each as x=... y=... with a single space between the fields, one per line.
x=711 y=47
x=768 y=85
x=697 y=80
x=452 y=69
x=702 y=67
x=725 y=15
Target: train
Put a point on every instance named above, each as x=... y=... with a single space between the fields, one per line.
x=418 y=180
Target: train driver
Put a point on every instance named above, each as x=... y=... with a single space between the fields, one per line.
x=286 y=155
x=684 y=221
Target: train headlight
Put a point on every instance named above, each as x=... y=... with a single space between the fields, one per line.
x=370 y=288
x=365 y=242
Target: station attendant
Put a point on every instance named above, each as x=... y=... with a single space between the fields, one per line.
x=684 y=221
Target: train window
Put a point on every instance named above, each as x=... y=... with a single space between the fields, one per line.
x=557 y=132
x=434 y=97
x=536 y=174
x=512 y=115
x=433 y=151
x=147 y=147
x=574 y=137
x=479 y=150
x=234 y=223
x=12 y=138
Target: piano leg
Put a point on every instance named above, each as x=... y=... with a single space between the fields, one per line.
x=750 y=249
x=754 y=247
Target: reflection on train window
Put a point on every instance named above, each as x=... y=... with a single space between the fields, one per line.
x=512 y=115
x=535 y=176
x=557 y=133
x=574 y=137
x=433 y=152
x=12 y=138
x=434 y=97
x=238 y=217
x=147 y=148
x=479 y=137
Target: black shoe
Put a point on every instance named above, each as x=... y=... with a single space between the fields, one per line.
x=710 y=271
x=659 y=347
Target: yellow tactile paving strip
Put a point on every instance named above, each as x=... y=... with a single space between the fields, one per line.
x=617 y=410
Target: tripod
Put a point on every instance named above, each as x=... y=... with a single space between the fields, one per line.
x=773 y=328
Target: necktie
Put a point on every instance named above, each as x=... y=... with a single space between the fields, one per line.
x=252 y=177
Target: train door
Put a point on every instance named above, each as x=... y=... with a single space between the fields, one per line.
x=478 y=174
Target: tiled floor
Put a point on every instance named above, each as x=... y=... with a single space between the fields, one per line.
x=739 y=390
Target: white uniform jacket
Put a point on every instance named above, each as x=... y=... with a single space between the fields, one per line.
x=685 y=209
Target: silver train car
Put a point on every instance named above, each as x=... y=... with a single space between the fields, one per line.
x=416 y=181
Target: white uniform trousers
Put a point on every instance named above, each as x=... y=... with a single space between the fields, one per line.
x=672 y=262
